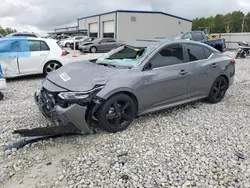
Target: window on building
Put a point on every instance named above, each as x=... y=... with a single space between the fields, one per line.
x=170 y=55
x=93 y=35
x=108 y=35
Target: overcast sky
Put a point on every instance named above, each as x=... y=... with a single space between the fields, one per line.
x=45 y=15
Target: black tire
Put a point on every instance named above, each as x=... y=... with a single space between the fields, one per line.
x=117 y=113
x=218 y=90
x=93 y=49
x=1 y=96
x=237 y=55
x=50 y=67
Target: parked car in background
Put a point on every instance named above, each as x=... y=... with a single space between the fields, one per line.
x=99 y=45
x=89 y=39
x=68 y=41
x=134 y=79
x=23 y=34
x=45 y=56
x=200 y=36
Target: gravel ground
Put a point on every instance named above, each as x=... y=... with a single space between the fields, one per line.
x=195 y=145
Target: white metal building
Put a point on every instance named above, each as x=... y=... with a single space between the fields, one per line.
x=131 y=25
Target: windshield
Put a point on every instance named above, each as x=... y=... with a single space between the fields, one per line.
x=90 y=39
x=125 y=56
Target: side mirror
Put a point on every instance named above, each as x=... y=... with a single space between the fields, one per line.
x=147 y=67
x=99 y=42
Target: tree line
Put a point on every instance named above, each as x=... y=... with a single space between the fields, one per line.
x=6 y=31
x=231 y=23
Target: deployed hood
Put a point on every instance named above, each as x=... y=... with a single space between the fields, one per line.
x=83 y=76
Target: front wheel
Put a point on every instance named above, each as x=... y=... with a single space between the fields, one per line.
x=117 y=113
x=93 y=49
x=218 y=90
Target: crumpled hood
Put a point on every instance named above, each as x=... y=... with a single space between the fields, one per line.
x=83 y=75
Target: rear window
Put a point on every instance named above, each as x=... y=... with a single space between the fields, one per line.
x=195 y=52
x=207 y=52
x=197 y=36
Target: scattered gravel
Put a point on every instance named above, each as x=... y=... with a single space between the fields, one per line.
x=195 y=145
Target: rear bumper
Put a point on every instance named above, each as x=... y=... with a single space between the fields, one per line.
x=74 y=114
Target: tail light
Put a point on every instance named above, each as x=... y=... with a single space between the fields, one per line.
x=64 y=53
x=233 y=62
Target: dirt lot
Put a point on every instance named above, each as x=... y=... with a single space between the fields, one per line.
x=195 y=145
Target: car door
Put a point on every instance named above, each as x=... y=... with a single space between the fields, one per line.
x=165 y=76
x=111 y=43
x=8 y=57
x=201 y=69
x=102 y=46
x=39 y=51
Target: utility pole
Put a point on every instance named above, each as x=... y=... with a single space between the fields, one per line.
x=243 y=23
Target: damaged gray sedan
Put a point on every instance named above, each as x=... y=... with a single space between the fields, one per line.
x=134 y=79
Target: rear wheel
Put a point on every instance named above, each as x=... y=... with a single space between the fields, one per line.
x=50 y=67
x=218 y=90
x=117 y=113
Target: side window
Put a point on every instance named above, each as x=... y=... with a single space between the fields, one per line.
x=197 y=36
x=103 y=41
x=78 y=38
x=34 y=46
x=44 y=46
x=207 y=52
x=170 y=55
x=195 y=52
x=111 y=40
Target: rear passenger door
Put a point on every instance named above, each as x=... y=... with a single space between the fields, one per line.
x=200 y=68
x=111 y=43
x=39 y=51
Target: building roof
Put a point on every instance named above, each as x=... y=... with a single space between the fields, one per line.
x=137 y=11
x=68 y=32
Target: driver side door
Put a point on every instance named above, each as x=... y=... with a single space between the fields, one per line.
x=166 y=77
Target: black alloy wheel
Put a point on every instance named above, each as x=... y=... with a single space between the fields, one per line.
x=117 y=113
x=218 y=90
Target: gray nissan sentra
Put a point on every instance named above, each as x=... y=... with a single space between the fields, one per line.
x=134 y=79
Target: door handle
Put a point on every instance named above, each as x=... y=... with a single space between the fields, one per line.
x=215 y=65
x=183 y=72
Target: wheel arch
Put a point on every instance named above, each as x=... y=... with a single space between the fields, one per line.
x=126 y=91
x=226 y=77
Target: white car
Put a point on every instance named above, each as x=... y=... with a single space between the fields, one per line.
x=45 y=55
x=66 y=42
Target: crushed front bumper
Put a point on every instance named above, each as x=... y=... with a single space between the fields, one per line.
x=73 y=115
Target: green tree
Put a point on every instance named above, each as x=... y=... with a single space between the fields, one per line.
x=236 y=21
x=7 y=30
x=247 y=23
x=218 y=24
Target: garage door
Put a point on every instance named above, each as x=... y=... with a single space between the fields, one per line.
x=93 y=30
x=109 y=29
